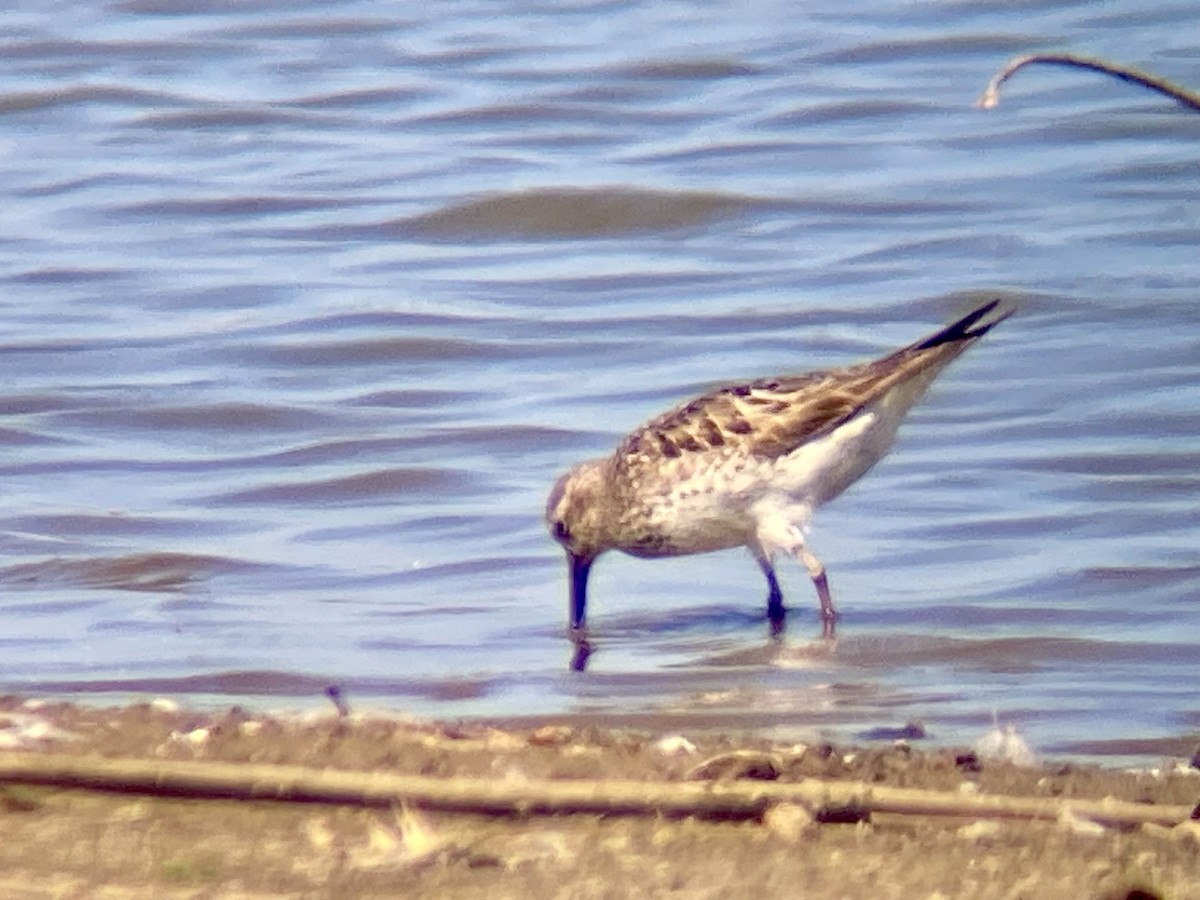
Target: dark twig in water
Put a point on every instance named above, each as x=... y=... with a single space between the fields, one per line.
x=991 y=95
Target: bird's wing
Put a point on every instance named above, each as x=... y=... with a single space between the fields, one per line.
x=773 y=416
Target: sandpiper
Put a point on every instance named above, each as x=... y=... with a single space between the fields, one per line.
x=746 y=465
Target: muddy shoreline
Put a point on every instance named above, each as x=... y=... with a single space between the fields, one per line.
x=73 y=841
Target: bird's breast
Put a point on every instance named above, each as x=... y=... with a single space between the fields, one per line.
x=697 y=508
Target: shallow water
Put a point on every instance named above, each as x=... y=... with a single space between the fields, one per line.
x=305 y=306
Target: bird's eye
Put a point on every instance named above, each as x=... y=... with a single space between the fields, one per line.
x=561 y=532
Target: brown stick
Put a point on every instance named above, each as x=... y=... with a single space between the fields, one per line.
x=736 y=800
x=991 y=94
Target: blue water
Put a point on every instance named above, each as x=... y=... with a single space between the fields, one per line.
x=305 y=306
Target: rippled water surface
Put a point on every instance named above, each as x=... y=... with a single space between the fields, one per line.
x=304 y=307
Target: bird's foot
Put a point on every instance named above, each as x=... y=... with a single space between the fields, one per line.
x=582 y=651
x=777 y=616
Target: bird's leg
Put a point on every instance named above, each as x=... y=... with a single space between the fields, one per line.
x=777 y=531
x=795 y=545
x=816 y=571
x=775 y=609
x=581 y=653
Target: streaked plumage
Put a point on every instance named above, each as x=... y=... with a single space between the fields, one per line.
x=746 y=465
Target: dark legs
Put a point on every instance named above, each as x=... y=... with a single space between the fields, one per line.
x=828 y=613
x=580 y=653
x=816 y=569
x=776 y=612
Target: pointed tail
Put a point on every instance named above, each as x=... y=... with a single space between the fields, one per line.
x=966 y=328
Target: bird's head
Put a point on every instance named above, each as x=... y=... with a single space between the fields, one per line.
x=575 y=517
